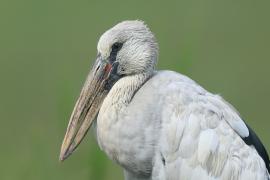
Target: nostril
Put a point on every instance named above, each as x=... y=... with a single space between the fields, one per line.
x=98 y=68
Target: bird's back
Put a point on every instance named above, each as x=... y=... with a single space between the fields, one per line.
x=201 y=135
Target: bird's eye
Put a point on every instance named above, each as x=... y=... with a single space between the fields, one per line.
x=116 y=47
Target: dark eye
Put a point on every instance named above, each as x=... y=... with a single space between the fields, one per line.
x=116 y=47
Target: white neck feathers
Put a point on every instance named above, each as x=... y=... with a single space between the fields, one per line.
x=124 y=90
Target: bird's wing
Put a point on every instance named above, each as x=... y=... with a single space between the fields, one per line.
x=202 y=137
x=253 y=140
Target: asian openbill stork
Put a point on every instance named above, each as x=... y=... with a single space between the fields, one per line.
x=160 y=125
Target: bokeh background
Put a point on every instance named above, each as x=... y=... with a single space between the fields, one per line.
x=47 y=48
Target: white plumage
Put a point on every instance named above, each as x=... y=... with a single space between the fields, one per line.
x=161 y=125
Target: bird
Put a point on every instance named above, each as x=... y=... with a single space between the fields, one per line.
x=159 y=124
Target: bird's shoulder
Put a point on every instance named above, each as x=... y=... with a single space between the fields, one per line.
x=170 y=82
x=165 y=77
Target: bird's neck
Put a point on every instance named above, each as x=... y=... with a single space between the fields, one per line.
x=118 y=98
x=124 y=90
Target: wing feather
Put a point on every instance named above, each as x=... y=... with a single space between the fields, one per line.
x=201 y=136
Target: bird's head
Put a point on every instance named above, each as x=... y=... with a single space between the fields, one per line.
x=126 y=49
x=130 y=44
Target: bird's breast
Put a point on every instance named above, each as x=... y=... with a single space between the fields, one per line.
x=126 y=141
x=126 y=132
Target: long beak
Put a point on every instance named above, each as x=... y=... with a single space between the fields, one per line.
x=87 y=106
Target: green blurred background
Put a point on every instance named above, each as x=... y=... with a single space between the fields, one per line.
x=47 y=48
